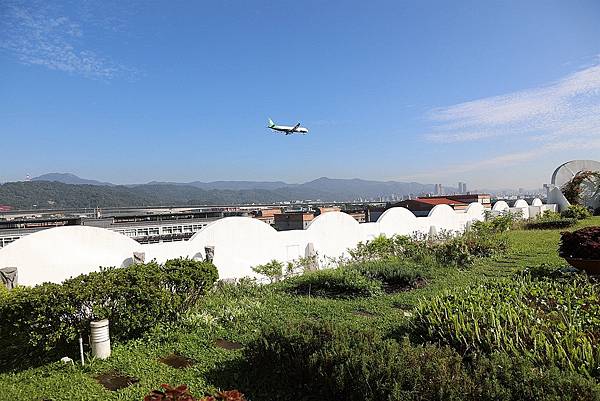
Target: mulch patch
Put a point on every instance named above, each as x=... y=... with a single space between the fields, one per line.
x=177 y=361
x=114 y=381
x=416 y=283
x=226 y=344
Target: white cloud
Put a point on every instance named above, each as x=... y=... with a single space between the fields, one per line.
x=569 y=106
x=37 y=34
x=562 y=117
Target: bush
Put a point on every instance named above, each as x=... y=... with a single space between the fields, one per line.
x=583 y=243
x=548 y=224
x=496 y=224
x=273 y=270
x=576 y=212
x=323 y=361
x=46 y=320
x=447 y=249
x=333 y=283
x=393 y=273
x=549 y=323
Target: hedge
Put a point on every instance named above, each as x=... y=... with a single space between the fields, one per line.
x=324 y=361
x=42 y=322
x=551 y=224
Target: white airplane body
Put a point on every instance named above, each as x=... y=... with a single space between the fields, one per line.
x=287 y=129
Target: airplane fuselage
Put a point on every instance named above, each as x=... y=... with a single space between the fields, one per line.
x=289 y=129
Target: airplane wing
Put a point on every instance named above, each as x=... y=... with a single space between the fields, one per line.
x=295 y=127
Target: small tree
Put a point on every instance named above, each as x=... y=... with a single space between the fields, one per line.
x=273 y=270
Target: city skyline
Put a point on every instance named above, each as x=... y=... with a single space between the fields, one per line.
x=141 y=92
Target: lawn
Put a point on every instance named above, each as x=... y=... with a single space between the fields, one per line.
x=240 y=314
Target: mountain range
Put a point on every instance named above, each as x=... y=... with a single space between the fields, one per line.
x=322 y=188
x=65 y=190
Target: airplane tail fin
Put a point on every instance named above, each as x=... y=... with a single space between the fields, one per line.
x=271 y=123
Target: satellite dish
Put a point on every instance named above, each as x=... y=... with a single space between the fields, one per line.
x=566 y=171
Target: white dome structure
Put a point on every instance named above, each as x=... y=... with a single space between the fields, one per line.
x=57 y=254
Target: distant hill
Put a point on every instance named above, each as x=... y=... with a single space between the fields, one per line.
x=64 y=190
x=68 y=178
x=53 y=194
x=357 y=188
x=231 y=185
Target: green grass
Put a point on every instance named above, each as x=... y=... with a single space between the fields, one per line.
x=238 y=314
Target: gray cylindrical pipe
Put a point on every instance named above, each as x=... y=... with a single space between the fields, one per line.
x=100 y=339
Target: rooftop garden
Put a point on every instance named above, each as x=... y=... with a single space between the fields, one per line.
x=495 y=314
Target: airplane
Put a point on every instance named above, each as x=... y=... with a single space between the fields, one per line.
x=288 y=130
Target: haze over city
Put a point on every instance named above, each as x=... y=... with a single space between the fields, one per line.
x=428 y=91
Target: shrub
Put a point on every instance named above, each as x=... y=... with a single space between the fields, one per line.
x=324 y=361
x=273 y=270
x=446 y=249
x=548 y=224
x=576 y=212
x=547 y=322
x=583 y=243
x=496 y=224
x=393 y=273
x=46 y=320
x=383 y=247
x=333 y=283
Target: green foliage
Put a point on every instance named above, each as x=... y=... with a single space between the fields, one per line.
x=447 y=249
x=324 y=361
x=239 y=312
x=550 y=224
x=549 y=221
x=273 y=270
x=333 y=283
x=393 y=273
x=496 y=224
x=550 y=323
x=576 y=212
x=43 y=321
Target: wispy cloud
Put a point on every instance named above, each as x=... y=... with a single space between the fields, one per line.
x=38 y=34
x=561 y=116
x=570 y=106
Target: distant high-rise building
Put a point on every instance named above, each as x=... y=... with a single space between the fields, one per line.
x=462 y=188
x=438 y=189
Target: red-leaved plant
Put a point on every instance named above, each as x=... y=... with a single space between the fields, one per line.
x=181 y=393
x=582 y=244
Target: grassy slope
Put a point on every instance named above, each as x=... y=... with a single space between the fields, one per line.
x=238 y=316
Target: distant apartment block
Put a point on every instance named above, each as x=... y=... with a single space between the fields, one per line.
x=293 y=221
x=462 y=188
x=267 y=215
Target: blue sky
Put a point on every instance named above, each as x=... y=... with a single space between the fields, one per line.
x=492 y=93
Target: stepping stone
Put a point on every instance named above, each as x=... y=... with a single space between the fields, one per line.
x=114 y=381
x=177 y=361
